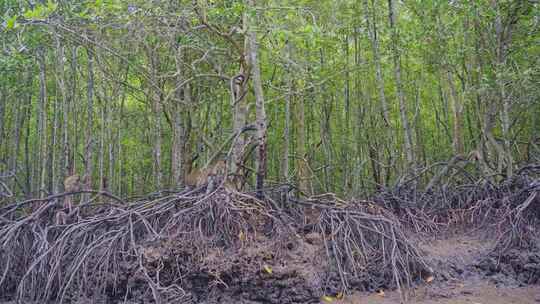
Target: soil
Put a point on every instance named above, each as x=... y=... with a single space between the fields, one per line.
x=466 y=292
x=465 y=271
x=459 y=278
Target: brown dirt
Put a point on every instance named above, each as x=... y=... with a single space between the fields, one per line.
x=460 y=293
x=456 y=282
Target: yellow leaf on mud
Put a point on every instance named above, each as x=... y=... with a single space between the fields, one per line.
x=380 y=293
x=242 y=236
x=327 y=299
x=429 y=279
x=268 y=269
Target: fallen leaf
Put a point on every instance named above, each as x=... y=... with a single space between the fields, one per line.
x=268 y=269
x=327 y=299
x=429 y=279
x=242 y=236
x=380 y=293
x=339 y=296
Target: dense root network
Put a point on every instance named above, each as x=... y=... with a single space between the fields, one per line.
x=178 y=246
x=223 y=245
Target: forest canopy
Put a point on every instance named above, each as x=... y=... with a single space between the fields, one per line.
x=343 y=96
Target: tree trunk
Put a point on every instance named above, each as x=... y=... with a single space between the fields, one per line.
x=89 y=149
x=73 y=107
x=457 y=113
x=409 y=151
x=61 y=84
x=18 y=124
x=240 y=111
x=372 y=31
x=286 y=129
x=260 y=112
x=303 y=172
x=3 y=98
x=503 y=35
x=179 y=140
x=179 y=135
x=42 y=125
x=156 y=106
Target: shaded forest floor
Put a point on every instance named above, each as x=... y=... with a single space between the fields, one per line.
x=463 y=277
x=464 y=244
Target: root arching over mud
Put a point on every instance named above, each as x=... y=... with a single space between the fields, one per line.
x=223 y=246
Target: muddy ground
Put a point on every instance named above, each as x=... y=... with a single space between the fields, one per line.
x=230 y=248
x=465 y=270
x=466 y=273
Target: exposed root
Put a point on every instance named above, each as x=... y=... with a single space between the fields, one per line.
x=193 y=245
x=369 y=248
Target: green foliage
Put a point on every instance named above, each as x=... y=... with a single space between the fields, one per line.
x=41 y=10
x=145 y=49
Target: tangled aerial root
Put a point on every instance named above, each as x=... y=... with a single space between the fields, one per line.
x=195 y=245
x=368 y=241
x=174 y=247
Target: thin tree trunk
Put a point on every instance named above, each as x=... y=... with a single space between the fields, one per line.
x=156 y=106
x=178 y=130
x=156 y=109
x=19 y=122
x=120 y=173
x=72 y=109
x=3 y=98
x=457 y=113
x=61 y=84
x=409 y=151
x=179 y=136
x=240 y=111
x=89 y=149
x=286 y=129
x=53 y=184
x=373 y=37
x=260 y=112
x=42 y=125
x=102 y=178
x=503 y=34
x=27 y=113
x=303 y=172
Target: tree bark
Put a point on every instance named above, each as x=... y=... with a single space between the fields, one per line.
x=408 y=138
x=156 y=106
x=89 y=147
x=287 y=123
x=457 y=113
x=240 y=110
x=303 y=172
x=3 y=98
x=260 y=112
x=61 y=84
x=373 y=37
x=42 y=125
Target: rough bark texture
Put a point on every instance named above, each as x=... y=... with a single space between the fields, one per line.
x=240 y=111
x=303 y=172
x=372 y=31
x=457 y=112
x=89 y=149
x=42 y=126
x=408 y=138
x=260 y=112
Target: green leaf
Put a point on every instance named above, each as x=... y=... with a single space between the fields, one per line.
x=51 y=6
x=10 y=23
